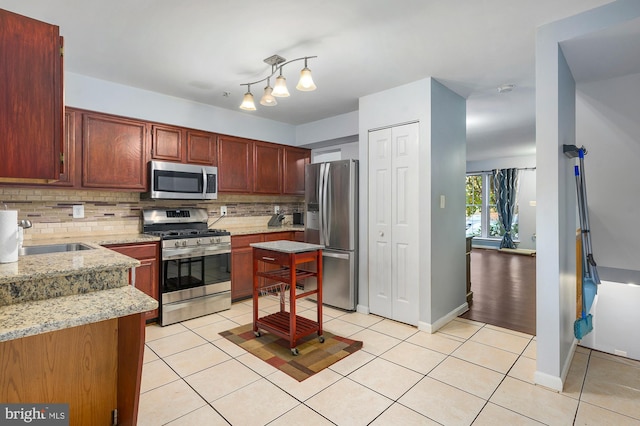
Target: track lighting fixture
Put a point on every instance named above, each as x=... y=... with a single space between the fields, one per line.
x=279 y=90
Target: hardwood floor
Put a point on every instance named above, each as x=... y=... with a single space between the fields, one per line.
x=504 y=290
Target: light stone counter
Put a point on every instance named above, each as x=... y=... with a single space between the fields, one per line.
x=285 y=246
x=264 y=229
x=43 y=276
x=48 y=292
x=42 y=316
x=101 y=239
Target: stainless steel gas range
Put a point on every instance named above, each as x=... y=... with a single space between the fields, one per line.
x=196 y=263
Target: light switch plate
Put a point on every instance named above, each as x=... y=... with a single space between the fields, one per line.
x=276 y=209
x=78 y=211
x=223 y=210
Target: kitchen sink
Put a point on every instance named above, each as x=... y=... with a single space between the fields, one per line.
x=53 y=248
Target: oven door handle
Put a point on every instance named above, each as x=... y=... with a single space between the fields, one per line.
x=174 y=254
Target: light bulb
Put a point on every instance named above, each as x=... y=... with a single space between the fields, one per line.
x=280 y=89
x=247 y=102
x=305 y=83
x=267 y=98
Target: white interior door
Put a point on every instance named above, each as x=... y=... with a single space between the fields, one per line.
x=394 y=223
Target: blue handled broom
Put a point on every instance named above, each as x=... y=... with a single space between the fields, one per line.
x=584 y=325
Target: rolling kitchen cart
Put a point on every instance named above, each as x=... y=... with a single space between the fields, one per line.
x=282 y=274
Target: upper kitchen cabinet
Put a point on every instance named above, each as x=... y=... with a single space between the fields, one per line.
x=201 y=148
x=166 y=143
x=170 y=143
x=294 y=161
x=113 y=153
x=31 y=109
x=267 y=168
x=235 y=164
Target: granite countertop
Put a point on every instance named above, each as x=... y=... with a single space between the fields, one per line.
x=246 y=230
x=102 y=240
x=48 y=292
x=286 y=246
x=42 y=316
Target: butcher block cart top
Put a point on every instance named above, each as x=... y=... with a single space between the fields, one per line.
x=279 y=268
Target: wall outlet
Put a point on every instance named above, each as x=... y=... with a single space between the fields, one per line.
x=78 y=211
x=276 y=209
x=223 y=210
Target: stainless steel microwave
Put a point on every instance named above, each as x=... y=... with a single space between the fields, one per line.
x=175 y=181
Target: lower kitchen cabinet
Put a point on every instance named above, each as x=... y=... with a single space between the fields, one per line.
x=147 y=274
x=242 y=265
x=242 y=261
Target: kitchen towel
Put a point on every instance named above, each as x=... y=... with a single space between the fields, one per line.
x=8 y=236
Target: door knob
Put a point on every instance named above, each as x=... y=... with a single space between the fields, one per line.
x=381 y=234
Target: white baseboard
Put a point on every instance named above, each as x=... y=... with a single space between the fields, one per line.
x=362 y=309
x=441 y=322
x=553 y=382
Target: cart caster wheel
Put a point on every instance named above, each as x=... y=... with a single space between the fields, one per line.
x=257 y=333
x=294 y=352
x=321 y=339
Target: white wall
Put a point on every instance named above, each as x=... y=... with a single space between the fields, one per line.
x=556 y=223
x=448 y=162
x=104 y=96
x=608 y=125
x=348 y=151
x=334 y=128
x=526 y=194
x=442 y=136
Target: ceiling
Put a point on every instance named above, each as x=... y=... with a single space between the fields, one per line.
x=200 y=49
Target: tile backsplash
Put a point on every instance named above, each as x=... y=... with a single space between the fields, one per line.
x=105 y=213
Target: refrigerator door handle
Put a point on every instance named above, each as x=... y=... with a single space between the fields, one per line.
x=335 y=255
x=325 y=207
x=321 y=204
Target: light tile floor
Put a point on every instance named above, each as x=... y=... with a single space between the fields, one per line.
x=467 y=373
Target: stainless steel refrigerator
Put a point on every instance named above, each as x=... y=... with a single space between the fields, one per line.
x=331 y=219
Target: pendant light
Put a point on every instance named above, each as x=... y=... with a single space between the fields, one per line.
x=267 y=97
x=247 y=102
x=306 y=84
x=279 y=90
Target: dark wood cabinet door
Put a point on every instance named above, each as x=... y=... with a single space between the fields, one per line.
x=235 y=164
x=68 y=155
x=294 y=161
x=267 y=168
x=166 y=143
x=113 y=154
x=31 y=111
x=201 y=148
x=242 y=265
x=241 y=273
x=148 y=273
x=147 y=282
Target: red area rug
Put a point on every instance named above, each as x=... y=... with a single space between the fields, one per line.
x=313 y=355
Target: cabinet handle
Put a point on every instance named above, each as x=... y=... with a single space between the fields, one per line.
x=381 y=234
x=268 y=258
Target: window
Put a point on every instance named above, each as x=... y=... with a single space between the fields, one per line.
x=482 y=215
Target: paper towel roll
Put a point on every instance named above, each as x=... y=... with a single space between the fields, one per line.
x=8 y=236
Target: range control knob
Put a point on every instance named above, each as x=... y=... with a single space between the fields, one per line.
x=177 y=243
x=184 y=243
x=199 y=241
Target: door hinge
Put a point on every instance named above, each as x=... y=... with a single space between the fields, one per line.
x=61 y=50
x=114 y=417
x=61 y=158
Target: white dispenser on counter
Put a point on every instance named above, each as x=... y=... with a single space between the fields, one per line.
x=9 y=236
